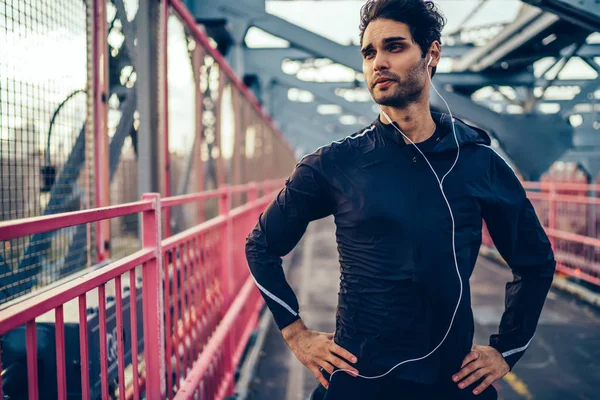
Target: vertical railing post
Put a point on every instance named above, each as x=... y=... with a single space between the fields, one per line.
x=592 y=217
x=226 y=246
x=252 y=192
x=552 y=215
x=197 y=59
x=100 y=114
x=164 y=111
x=153 y=304
x=267 y=188
x=252 y=197
x=227 y=277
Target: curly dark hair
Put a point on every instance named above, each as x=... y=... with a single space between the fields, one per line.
x=423 y=17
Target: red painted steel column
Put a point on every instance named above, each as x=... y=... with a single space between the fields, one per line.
x=197 y=62
x=100 y=99
x=164 y=22
x=219 y=162
x=153 y=303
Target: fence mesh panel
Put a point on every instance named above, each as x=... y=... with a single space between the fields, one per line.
x=123 y=123
x=42 y=137
x=185 y=165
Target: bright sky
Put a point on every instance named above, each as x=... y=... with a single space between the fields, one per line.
x=339 y=19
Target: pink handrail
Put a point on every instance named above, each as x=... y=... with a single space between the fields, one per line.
x=21 y=312
x=191 y=198
x=560 y=186
x=215 y=193
x=231 y=298
x=564 y=198
x=30 y=226
x=573 y=237
x=25 y=311
x=570 y=214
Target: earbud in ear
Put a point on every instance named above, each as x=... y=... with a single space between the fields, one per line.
x=430 y=58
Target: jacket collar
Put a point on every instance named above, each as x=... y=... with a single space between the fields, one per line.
x=443 y=138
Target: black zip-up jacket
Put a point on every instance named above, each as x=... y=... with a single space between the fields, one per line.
x=398 y=284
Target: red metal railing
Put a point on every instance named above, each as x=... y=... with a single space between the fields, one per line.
x=570 y=214
x=26 y=312
x=211 y=303
x=90 y=158
x=198 y=311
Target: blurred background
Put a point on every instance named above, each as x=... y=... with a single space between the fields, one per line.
x=102 y=101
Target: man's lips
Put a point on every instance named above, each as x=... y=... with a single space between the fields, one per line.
x=383 y=82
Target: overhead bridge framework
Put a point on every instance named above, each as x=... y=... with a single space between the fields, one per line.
x=506 y=60
x=584 y=13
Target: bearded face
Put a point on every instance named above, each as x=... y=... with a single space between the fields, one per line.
x=394 y=69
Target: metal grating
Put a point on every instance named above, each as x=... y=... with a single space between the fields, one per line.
x=43 y=78
x=185 y=165
x=125 y=237
x=123 y=122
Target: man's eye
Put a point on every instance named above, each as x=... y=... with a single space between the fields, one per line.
x=395 y=47
x=368 y=54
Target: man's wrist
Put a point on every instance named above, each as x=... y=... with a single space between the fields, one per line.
x=510 y=360
x=293 y=329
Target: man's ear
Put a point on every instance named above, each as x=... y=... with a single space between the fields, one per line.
x=435 y=53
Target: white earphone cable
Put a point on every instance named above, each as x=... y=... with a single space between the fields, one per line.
x=441 y=186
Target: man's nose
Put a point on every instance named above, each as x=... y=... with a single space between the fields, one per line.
x=380 y=62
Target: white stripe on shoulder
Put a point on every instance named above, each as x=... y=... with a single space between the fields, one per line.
x=513 y=351
x=498 y=154
x=369 y=129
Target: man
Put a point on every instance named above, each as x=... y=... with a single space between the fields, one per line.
x=407 y=238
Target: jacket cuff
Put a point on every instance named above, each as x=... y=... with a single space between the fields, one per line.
x=511 y=352
x=285 y=320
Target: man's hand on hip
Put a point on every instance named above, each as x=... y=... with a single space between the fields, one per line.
x=482 y=362
x=316 y=350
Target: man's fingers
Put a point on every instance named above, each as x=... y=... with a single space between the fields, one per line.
x=327 y=367
x=340 y=351
x=474 y=377
x=483 y=385
x=467 y=370
x=472 y=356
x=315 y=369
x=338 y=362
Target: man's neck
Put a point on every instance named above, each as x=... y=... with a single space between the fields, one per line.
x=414 y=121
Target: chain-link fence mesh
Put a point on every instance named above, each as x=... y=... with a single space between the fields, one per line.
x=123 y=123
x=42 y=137
x=47 y=156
